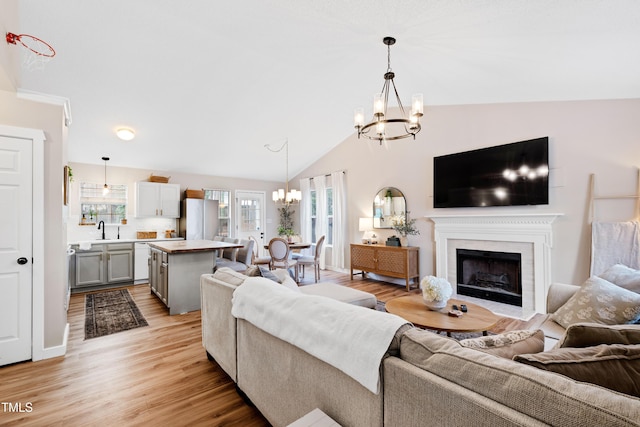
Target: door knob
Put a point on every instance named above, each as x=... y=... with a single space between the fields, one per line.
x=22 y=260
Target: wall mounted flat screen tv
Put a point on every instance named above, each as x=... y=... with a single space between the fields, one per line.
x=505 y=175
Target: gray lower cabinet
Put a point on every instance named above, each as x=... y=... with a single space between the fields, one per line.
x=159 y=274
x=89 y=268
x=104 y=264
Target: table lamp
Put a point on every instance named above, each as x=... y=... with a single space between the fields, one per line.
x=366 y=225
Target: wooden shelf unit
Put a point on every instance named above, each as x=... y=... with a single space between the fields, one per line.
x=393 y=261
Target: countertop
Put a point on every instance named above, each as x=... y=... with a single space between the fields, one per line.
x=103 y=242
x=188 y=246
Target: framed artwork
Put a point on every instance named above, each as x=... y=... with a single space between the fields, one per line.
x=66 y=186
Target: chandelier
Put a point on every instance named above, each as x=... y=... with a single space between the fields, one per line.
x=284 y=195
x=382 y=127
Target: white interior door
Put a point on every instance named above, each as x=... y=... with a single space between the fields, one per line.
x=16 y=251
x=250 y=216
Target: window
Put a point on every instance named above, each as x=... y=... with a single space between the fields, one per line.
x=328 y=219
x=96 y=207
x=224 y=221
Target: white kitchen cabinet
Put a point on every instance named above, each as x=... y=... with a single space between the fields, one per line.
x=154 y=199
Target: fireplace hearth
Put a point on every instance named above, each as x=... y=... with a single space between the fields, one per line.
x=494 y=276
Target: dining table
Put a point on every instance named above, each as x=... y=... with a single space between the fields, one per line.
x=295 y=245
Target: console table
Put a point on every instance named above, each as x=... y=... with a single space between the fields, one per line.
x=393 y=261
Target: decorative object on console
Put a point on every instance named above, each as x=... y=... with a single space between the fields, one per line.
x=105 y=189
x=366 y=225
x=393 y=241
x=435 y=292
x=285 y=195
x=404 y=226
x=387 y=128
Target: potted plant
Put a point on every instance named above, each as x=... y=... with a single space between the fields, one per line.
x=285 y=228
x=404 y=226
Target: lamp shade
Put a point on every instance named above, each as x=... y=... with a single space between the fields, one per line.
x=365 y=224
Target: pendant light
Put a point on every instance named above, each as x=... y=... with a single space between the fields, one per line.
x=105 y=189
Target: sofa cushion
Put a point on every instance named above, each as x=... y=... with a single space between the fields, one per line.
x=226 y=274
x=341 y=293
x=615 y=366
x=509 y=343
x=516 y=385
x=623 y=276
x=591 y=334
x=599 y=301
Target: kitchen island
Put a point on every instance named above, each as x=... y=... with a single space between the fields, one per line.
x=175 y=270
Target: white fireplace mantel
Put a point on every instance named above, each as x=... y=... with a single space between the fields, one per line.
x=535 y=229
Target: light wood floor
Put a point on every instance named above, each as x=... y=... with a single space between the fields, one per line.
x=157 y=375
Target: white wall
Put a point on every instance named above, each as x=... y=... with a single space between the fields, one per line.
x=22 y=113
x=601 y=137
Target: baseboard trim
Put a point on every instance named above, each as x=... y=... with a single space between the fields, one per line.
x=59 y=350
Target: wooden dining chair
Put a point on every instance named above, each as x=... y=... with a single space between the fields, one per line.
x=257 y=259
x=312 y=260
x=279 y=251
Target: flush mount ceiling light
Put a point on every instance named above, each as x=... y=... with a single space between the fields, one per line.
x=284 y=195
x=105 y=189
x=125 y=134
x=382 y=127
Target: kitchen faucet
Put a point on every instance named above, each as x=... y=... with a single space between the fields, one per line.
x=101 y=223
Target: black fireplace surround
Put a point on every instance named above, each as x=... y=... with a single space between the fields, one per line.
x=494 y=276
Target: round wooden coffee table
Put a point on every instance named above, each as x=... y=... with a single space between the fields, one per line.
x=413 y=309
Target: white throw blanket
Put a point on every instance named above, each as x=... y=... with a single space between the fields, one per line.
x=614 y=243
x=352 y=339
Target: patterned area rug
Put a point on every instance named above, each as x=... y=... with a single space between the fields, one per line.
x=455 y=335
x=109 y=312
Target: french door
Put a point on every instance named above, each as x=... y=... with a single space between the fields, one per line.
x=250 y=216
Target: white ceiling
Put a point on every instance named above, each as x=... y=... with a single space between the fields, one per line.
x=206 y=81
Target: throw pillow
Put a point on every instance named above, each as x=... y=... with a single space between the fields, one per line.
x=252 y=271
x=508 y=344
x=599 y=301
x=591 y=334
x=226 y=274
x=623 y=276
x=267 y=274
x=616 y=366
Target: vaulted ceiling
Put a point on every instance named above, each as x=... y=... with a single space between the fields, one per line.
x=206 y=81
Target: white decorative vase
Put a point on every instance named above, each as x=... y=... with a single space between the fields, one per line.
x=404 y=241
x=435 y=305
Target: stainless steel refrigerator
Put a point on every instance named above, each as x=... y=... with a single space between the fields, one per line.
x=199 y=219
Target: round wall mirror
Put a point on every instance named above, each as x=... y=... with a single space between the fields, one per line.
x=388 y=204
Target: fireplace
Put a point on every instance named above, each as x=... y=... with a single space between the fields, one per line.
x=530 y=235
x=494 y=276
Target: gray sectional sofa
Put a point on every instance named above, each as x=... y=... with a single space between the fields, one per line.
x=425 y=378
